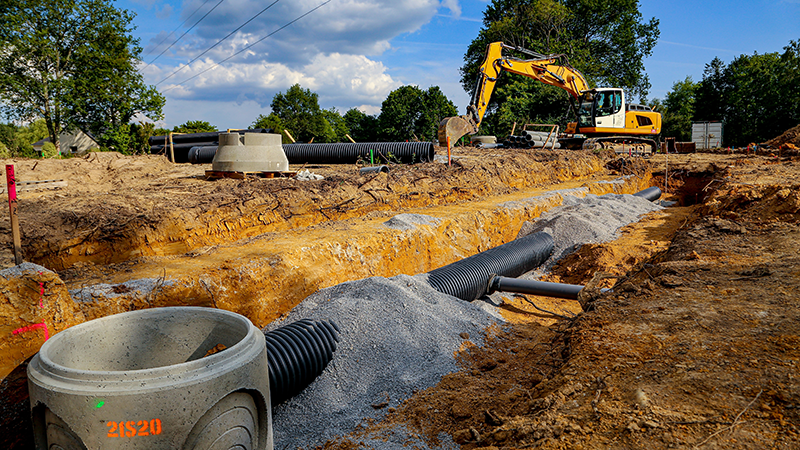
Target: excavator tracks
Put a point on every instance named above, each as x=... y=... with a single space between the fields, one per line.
x=631 y=145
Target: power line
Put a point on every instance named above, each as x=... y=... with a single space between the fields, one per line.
x=247 y=47
x=184 y=33
x=176 y=28
x=217 y=43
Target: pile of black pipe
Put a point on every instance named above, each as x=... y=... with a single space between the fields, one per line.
x=652 y=193
x=297 y=354
x=468 y=279
x=382 y=153
x=182 y=143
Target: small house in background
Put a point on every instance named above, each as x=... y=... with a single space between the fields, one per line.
x=74 y=142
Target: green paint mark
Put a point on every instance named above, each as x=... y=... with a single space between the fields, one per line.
x=100 y=404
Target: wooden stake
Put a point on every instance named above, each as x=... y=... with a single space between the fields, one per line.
x=448 y=151
x=351 y=139
x=12 y=209
x=513 y=127
x=171 y=149
x=290 y=136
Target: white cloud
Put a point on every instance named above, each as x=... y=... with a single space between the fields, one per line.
x=342 y=26
x=453 y=6
x=342 y=80
x=331 y=52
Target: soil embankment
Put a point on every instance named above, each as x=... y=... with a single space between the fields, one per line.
x=697 y=344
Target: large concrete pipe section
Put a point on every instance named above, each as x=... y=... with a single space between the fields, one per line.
x=161 y=378
x=466 y=279
x=253 y=152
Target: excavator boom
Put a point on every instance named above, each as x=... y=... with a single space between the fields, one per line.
x=549 y=69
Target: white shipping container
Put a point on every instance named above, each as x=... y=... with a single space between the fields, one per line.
x=707 y=134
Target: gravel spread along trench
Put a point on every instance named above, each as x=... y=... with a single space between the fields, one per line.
x=399 y=335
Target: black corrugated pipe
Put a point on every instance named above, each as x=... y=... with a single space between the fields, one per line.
x=202 y=155
x=534 y=287
x=406 y=152
x=652 y=193
x=467 y=279
x=296 y=354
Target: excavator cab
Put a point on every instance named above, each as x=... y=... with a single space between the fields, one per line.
x=602 y=107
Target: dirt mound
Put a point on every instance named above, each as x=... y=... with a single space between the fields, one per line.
x=695 y=347
x=789 y=139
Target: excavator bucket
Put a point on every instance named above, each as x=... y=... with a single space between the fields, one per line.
x=454 y=128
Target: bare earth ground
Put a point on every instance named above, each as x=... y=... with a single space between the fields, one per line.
x=697 y=346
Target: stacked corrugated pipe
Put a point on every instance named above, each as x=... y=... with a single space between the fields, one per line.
x=367 y=152
x=532 y=139
x=183 y=143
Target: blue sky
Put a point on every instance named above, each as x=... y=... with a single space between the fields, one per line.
x=352 y=53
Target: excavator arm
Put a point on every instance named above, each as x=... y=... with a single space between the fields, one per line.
x=549 y=69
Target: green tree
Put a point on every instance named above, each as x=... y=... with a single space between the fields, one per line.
x=140 y=133
x=711 y=92
x=274 y=123
x=755 y=101
x=27 y=135
x=607 y=41
x=337 y=127
x=49 y=150
x=411 y=113
x=73 y=63
x=363 y=127
x=679 y=110
x=435 y=107
x=299 y=112
x=194 y=126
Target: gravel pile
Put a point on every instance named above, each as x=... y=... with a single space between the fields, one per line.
x=398 y=335
x=590 y=220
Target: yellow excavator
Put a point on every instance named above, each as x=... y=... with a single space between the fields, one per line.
x=604 y=119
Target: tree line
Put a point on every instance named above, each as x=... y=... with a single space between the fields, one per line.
x=757 y=97
x=408 y=113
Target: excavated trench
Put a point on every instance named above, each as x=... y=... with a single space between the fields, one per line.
x=262 y=265
x=265 y=276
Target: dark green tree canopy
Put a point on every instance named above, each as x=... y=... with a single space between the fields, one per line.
x=363 y=127
x=299 y=112
x=73 y=63
x=678 y=110
x=411 y=113
x=606 y=41
x=194 y=126
x=756 y=96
